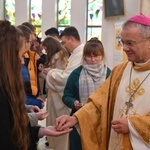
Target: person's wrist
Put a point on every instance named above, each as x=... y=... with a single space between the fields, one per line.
x=75 y=119
x=41 y=132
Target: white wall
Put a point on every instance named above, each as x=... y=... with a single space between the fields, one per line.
x=132 y=7
x=21 y=11
x=49 y=15
x=78 y=17
x=1 y=9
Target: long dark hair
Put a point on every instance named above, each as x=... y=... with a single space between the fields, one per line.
x=11 y=40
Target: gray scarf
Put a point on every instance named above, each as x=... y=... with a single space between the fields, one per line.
x=91 y=77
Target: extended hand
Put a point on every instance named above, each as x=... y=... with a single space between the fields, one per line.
x=120 y=126
x=42 y=114
x=51 y=131
x=34 y=109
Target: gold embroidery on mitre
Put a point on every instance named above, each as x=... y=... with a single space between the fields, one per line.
x=134 y=90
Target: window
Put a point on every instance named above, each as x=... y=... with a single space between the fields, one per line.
x=94 y=18
x=36 y=15
x=10 y=11
x=64 y=14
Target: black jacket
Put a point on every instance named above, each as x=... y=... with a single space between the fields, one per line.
x=6 y=124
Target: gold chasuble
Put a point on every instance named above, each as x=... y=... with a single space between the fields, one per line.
x=108 y=102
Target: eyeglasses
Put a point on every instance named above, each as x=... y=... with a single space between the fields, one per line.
x=132 y=43
x=90 y=57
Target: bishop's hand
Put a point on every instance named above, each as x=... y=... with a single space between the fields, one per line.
x=65 y=122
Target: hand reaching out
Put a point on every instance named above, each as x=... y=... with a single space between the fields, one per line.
x=34 y=109
x=42 y=114
x=51 y=131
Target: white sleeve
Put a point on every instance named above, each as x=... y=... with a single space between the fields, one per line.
x=136 y=141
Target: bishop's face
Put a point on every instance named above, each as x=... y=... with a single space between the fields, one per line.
x=135 y=45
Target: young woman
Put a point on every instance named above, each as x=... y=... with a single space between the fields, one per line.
x=16 y=132
x=83 y=81
x=57 y=58
x=57 y=55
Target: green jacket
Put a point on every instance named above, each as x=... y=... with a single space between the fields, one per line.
x=71 y=91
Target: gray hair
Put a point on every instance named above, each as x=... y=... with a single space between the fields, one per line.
x=145 y=30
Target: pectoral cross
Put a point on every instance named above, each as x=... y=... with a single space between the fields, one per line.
x=129 y=105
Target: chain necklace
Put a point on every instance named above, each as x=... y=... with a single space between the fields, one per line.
x=129 y=104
